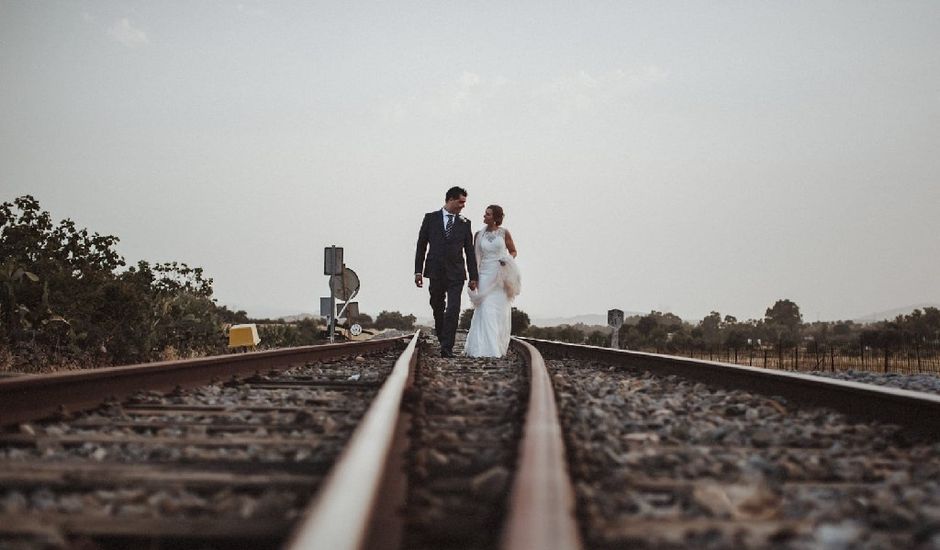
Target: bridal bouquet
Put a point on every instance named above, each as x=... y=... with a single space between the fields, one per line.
x=508 y=279
x=509 y=274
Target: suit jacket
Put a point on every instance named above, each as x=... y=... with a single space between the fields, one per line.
x=445 y=256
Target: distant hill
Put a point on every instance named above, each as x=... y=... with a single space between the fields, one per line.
x=891 y=313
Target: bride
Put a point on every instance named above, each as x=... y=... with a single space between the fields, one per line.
x=499 y=284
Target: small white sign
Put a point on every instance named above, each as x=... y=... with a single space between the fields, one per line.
x=355 y=330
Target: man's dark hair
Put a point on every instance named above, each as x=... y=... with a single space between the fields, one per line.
x=455 y=193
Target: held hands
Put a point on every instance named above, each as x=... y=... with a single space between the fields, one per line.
x=419 y=282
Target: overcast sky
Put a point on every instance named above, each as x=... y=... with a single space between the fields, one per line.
x=678 y=156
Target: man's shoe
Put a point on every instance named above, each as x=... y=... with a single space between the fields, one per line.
x=447 y=354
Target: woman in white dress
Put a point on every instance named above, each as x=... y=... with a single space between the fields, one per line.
x=499 y=284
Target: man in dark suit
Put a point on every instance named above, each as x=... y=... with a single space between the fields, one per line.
x=450 y=238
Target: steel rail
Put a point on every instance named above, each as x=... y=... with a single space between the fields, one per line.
x=359 y=503
x=917 y=411
x=31 y=397
x=541 y=502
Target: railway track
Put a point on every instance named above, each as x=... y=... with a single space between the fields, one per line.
x=484 y=464
x=383 y=445
x=304 y=448
x=674 y=453
x=217 y=465
x=465 y=430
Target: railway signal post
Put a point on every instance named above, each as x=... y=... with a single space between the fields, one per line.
x=615 y=321
x=344 y=285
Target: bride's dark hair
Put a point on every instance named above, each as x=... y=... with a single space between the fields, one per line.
x=498 y=213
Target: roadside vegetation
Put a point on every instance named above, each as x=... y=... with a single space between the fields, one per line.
x=781 y=339
x=68 y=300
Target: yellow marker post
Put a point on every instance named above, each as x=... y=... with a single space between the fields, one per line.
x=243 y=336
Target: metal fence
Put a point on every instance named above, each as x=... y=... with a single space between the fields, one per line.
x=905 y=359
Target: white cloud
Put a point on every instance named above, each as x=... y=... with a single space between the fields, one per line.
x=472 y=94
x=469 y=93
x=585 y=93
x=122 y=31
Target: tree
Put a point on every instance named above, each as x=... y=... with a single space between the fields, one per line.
x=13 y=314
x=394 y=320
x=658 y=338
x=542 y=333
x=647 y=324
x=519 y=321
x=630 y=337
x=564 y=333
x=784 y=313
x=652 y=329
x=69 y=264
x=364 y=320
x=598 y=338
x=233 y=317
x=63 y=296
x=681 y=341
x=783 y=321
x=922 y=325
x=736 y=337
x=711 y=328
x=569 y=334
x=932 y=323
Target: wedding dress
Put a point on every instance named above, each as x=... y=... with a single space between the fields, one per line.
x=499 y=283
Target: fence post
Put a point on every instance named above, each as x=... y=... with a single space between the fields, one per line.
x=886 y=358
x=832 y=359
x=765 y=358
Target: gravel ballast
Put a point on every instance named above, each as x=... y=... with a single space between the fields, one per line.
x=663 y=462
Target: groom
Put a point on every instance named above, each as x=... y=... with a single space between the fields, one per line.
x=449 y=236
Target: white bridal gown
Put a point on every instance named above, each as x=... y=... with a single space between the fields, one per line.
x=498 y=285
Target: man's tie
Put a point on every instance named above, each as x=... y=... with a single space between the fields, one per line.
x=450 y=225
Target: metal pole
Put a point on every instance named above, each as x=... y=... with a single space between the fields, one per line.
x=342 y=280
x=332 y=293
